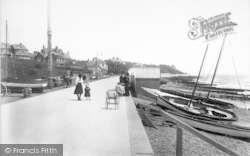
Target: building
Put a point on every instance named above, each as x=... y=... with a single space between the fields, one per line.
x=21 y=52
x=16 y=50
x=3 y=50
x=97 y=67
x=58 y=56
x=148 y=77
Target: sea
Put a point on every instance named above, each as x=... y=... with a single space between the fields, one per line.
x=234 y=82
x=229 y=81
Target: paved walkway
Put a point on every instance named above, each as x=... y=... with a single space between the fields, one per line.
x=83 y=127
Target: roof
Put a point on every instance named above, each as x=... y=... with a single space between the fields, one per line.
x=56 y=52
x=41 y=54
x=19 y=46
x=66 y=55
x=3 y=45
x=95 y=62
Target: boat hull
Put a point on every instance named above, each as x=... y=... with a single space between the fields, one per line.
x=220 y=128
x=164 y=102
x=17 y=87
x=216 y=113
x=218 y=103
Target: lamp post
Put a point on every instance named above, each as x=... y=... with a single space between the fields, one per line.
x=49 y=34
x=6 y=52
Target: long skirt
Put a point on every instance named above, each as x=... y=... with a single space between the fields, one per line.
x=87 y=94
x=78 y=89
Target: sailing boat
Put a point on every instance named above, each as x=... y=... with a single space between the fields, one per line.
x=208 y=110
x=189 y=91
x=15 y=84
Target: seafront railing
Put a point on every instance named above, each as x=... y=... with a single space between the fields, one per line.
x=179 y=132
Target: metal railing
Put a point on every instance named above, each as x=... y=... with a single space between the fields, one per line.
x=179 y=132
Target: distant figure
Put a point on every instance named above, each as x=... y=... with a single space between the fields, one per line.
x=87 y=92
x=122 y=78
x=120 y=89
x=126 y=82
x=84 y=77
x=66 y=79
x=79 y=84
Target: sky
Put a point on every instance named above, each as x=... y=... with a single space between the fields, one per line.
x=145 y=31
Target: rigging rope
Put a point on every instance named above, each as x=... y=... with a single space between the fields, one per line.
x=235 y=69
x=236 y=72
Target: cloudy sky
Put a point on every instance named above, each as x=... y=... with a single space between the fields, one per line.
x=146 y=31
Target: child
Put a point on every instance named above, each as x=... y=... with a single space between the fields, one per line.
x=87 y=92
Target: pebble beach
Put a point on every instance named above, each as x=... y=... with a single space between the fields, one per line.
x=163 y=139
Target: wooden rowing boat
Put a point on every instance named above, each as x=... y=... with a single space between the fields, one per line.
x=215 y=127
x=199 y=110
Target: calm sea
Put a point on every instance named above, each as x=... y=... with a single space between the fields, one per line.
x=229 y=81
x=232 y=81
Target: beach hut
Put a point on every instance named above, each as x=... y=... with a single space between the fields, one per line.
x=144 y=77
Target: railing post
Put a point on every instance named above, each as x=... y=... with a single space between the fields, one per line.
x=179 y=141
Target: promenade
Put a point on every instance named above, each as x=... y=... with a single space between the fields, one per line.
x=83 y=127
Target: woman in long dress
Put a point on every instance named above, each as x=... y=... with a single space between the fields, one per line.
x=79 y=84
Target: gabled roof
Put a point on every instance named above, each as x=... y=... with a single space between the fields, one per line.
x=22 y=46
x=19 y=46
x=55 y=50
x=3 y=45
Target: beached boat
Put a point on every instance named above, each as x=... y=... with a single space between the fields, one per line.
x=17 y=87
x=199 y=110
x=206 y=100
x=223 y=93
x=215 y=127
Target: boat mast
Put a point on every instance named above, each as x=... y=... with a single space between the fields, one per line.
x=215 y=71
x=198 y=77
x=6 y=52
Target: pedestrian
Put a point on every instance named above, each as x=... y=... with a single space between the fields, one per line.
x=126 y=83
x=79 y=84
x=66 y=79
x=122 y=78
x=120 y=89
x=87 y=91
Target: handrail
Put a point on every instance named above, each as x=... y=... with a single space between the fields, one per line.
x=180 y=124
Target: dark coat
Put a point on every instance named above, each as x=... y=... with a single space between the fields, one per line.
x=87 y=92
x=122 y=79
